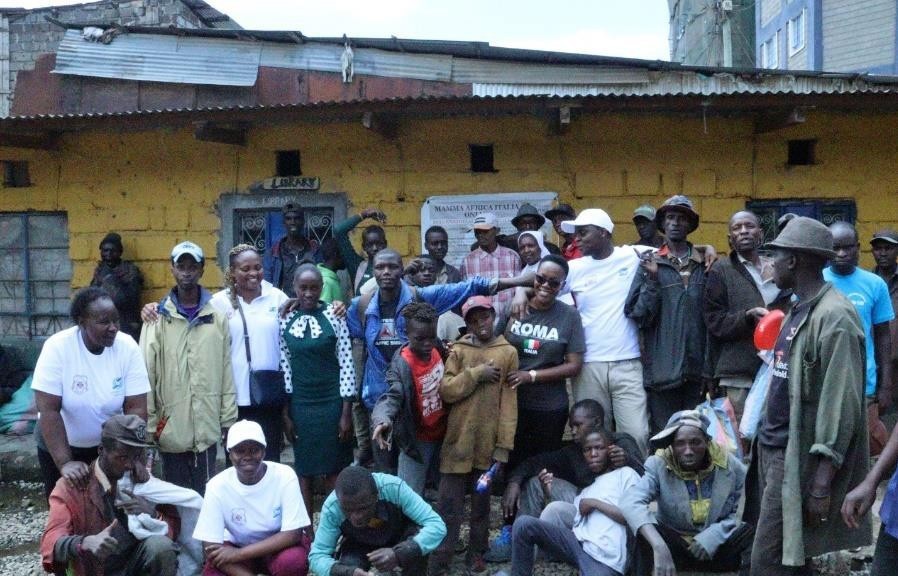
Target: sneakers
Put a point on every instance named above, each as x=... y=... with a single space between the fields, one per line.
x=500 y=547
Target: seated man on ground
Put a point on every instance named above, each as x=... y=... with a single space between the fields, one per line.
x=87 y=530
x=697 y=486
x=597 y=544
x=259 y=507
x=382 y=522
x=571 y=471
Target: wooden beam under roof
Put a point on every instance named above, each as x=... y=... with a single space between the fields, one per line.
x=212 y=132
x=33 y=141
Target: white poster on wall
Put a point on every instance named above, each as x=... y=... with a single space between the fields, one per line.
x=456 y=214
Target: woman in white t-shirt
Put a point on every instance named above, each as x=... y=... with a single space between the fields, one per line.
x=247 y=290
x=259 y=507
x=84 y=375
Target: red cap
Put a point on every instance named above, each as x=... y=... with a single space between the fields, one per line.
x=476 y=302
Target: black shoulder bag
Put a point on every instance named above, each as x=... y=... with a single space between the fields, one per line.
x=266 y=387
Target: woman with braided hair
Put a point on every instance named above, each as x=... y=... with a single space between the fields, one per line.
x=251 y=304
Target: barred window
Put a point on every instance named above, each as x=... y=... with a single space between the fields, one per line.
x=35 y=274
x=827 y=211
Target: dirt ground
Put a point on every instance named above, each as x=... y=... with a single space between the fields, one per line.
x=23 y=513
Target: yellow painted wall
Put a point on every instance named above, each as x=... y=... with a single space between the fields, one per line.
x=159 y=187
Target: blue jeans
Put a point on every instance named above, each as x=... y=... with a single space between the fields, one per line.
x=558 y=541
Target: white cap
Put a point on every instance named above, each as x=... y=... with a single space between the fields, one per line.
x=245 y=430
x=590 y=216
x=187 y=248
x=485 y=221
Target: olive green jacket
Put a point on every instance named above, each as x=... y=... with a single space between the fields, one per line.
x=191 y=382
x=827 y=417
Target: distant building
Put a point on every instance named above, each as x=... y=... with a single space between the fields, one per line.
x=831 y=35
x=27 y=35
x=712 y=32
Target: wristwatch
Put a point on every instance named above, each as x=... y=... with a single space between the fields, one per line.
x=532 y=376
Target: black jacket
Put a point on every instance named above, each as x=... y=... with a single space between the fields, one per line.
x=568 y=463
x=670 y=317
x=396 y=406
x=729 y=292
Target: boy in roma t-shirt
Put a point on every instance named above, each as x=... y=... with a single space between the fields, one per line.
x=480 y=429
x=412 y=400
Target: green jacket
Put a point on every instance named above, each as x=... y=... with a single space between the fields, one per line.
x=827 y=417
x=191 y=381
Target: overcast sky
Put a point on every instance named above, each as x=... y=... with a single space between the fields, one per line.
x=631 y=28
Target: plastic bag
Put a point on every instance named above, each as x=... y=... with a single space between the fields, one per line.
x=757 y=397
x=722 y=429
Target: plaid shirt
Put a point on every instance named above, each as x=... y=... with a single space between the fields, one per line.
x=500 y=263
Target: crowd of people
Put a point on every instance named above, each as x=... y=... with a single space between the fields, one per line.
x=569 y=377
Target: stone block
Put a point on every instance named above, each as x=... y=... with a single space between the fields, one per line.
x=177 y=218
x=720 y=209
x=202 y=218
x=131 y=218
x=92 y=220
x=83 y=246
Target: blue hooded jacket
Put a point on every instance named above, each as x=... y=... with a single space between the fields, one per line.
x=443 y=297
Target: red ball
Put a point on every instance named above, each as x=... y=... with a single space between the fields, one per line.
x=768 y=329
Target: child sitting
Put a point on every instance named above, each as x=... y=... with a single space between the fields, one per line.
x=413 y=400
x=480 y=430
x=598 y=543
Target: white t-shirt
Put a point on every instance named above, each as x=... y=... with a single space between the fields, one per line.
x=599 y=289
x=93 y=387
x=602 y=538
x=264 y=333
x=251 y=513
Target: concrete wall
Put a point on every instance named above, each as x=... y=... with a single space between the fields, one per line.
x=162 y=186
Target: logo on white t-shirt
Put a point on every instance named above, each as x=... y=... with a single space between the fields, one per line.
x=238 y=515
x=118 y=385
x=276 y=513
x=79 y=384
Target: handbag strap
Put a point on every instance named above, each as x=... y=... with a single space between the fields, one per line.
x=249 y=358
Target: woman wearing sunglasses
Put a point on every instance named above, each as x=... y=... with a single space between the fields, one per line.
x=550 y=344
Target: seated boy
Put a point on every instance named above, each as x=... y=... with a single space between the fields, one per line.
x=87 y=530
x=697 y=485
x=523 y=493
x=413 y=399
x=382 y=522
x=481 y=428
x=597 y=545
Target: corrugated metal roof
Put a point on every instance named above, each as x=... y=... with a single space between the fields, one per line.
x=161 y=58
x=523 y=103
x=673 y=83
x=326 y=58
x=207 y=57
